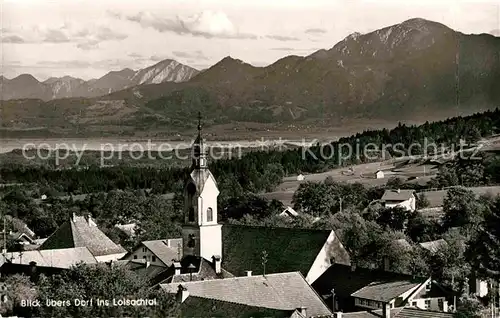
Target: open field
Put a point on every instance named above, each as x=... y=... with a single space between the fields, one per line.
x=362 y=173
x=436 y=197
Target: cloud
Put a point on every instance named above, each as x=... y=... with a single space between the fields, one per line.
x=88 y=45
x=315 y=31
x=65 y=64
x=12 y=39
x=56 y=36
x=156 y=58
x=207 y=24
x=282 y=38
x=194 y=56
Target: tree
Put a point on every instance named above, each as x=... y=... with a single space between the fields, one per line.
x=420 y=228
x=394 y=218
x=468 y=307
x=484 y=250
x=93 y=282
x=395 y=182
x=422 y=201
x=19 y=288
x=462 y=209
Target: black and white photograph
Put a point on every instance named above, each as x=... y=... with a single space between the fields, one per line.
x=250 y=159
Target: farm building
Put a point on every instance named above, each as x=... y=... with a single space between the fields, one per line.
x=379 y=174
x=300 y=177
x=399 y=198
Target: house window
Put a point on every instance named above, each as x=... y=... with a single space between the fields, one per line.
x=135 y=256
x=191 y=241
x=144 y=257
x=144 y=250
x=154 y=258
x=210 y=215
x=428 y=286
x=441 y=304
x=427 y=304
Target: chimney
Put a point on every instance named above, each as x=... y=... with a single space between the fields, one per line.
x=399 y=190
x=177 y=267
x=249 y=273
x=182 y=293
x=353 y=267
x=217 y=263
x=303 y=311
x=338 y=314
x=386 y=311
x=73 y=217
x=148 y=263
x=387 y=264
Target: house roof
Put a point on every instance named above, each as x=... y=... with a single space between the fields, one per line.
x=346 y=282
x=289 y=211
x=385 y=291
x=397 y=195
x=19 y=225
x=78 y=232
x=165 y=250
x=433 y=246
x=59 y=258
x=287 y=249
x=203 y=307
x=284 y=291
x=203 y=270
x=400 y=313
x=403 y=243
x=140 y=267
x=128 y=229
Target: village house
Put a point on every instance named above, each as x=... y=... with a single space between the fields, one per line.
x=82 y=231
x=350 y=289
x=289 y=212
x=282 y=292
x=157 y=252
x=379 y=174
x=399 y=198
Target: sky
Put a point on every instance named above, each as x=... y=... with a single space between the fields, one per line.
x=87 y=39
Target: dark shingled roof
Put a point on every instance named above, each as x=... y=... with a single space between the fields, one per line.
x=385 y=291
x=166 y=250
x=79 y=232
x=288 y=249
x=284 y=291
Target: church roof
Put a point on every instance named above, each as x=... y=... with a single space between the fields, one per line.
x=288 y=249
x=200 y=176
x=82 y=232
x=284 y=291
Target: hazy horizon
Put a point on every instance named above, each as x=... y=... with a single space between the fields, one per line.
x=89 y=39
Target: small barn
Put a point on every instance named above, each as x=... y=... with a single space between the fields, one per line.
x=300 y=177
x=379 y=174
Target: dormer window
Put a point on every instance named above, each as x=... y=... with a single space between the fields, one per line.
x=210 y=215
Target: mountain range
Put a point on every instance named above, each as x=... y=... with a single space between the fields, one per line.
x=417 y=69
x=27 y=86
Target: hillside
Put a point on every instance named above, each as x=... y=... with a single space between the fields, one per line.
x=417 y=70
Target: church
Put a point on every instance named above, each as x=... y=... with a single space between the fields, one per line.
x=211 y=250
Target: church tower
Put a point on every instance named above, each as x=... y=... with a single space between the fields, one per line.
x=201 y=234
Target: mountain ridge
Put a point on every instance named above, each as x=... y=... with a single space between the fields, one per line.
x=414 y=69
x=27 y=86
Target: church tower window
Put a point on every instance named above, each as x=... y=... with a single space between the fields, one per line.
x=210 y=215
x=191 y=214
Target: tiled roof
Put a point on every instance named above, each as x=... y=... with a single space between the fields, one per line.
x=202 y=307
x=345 y=282
x=397 y=195
x=165 y=250
x=78 y=232
x=287 y=249
x=400 y=313
x=285 y=291
x=60 y=258
x=140 y=267
x=433 y=246
x=386 y=291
